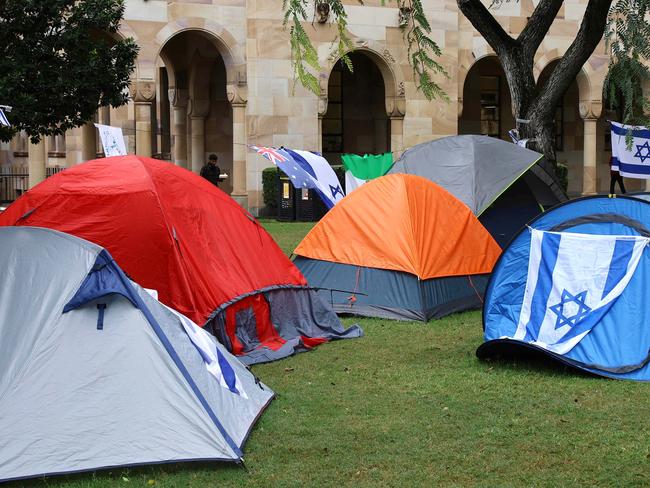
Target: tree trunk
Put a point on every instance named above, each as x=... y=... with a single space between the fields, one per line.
x=534 y=106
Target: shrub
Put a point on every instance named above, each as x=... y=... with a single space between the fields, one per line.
x=270 y=188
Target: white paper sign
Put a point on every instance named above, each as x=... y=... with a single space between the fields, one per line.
x=112 y=140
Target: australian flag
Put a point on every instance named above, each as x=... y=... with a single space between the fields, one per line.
x=307 y=170
x=573 y=280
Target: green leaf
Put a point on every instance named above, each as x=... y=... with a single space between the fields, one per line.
x=422 y=50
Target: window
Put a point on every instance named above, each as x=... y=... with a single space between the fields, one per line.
x=490 y=104
x=333 y=118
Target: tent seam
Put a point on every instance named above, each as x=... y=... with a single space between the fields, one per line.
x=511 y=183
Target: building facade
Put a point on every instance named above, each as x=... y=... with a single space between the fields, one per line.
x=215 y=75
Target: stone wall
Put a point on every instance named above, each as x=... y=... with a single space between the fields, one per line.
x=215 y=75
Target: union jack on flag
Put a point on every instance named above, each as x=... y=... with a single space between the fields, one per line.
x=306 y=170
x=270 y=153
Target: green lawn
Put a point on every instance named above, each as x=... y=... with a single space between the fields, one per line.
x=410 y=405
x=287 y=234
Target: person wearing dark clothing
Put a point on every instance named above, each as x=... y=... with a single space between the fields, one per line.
x=210 y=171
x=614 y=177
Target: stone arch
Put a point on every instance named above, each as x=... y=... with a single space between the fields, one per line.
x=465 y=68
x=584 y=78
x=394 y=85
x=217 y=34
x=193 y=119
x=484 y=81
x=394 y=90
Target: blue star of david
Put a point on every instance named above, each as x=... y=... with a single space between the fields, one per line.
x=558 y=309
x=641 y=156
x=337 y=189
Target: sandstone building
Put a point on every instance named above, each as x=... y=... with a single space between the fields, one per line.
x=214 y=75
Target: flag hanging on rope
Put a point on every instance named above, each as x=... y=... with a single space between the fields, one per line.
x=306 y=170
x=573 y=280
x=3 y=119
x=633 y=162
x=359 y=169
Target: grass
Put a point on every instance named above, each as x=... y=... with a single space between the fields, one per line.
x=287 y=234
x=410 y=405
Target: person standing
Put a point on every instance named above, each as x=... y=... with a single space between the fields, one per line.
x=614 y=177
x=210 y=171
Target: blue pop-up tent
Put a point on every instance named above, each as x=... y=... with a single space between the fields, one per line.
x=573 y=286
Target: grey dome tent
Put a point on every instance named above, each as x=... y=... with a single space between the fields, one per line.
x=96 y=373
x=505 y=185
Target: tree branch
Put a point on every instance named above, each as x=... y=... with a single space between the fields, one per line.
x=483 y=21
x=589 y=35
x=538 y=25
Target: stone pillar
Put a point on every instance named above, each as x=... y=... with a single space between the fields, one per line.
x=198 y=109
x=237 y=97
x=397 y=136
x=37 y=155
x=73 y=153
x=88 y=141
x=178 y=102
x=589 y=176
x=143 y=97
x=322 y=110
x=395 y=109
x=590 y=111
x=198 y=142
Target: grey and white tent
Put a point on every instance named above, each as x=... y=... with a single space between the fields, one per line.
x=96 y=373
x=485 y=172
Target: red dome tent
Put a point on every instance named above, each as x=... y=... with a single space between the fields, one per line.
x=175 y=232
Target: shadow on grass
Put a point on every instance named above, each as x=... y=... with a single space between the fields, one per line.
x=531 y=361
x=143 y=473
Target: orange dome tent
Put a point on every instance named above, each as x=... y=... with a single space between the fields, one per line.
x=399 y=247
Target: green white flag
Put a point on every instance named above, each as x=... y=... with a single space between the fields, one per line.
x=359 y=169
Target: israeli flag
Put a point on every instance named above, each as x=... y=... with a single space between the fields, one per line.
x=573 y=280
x=215 y=361
x=3 y=119
x=317 y=174
x=307 y=170
x=634 y=162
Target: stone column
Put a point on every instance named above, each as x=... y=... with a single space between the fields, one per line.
x=589 y=112
x=395 y=109
x=145 y=93
x=197 y=110
x=322 y=110
x=88 y=141
x=397 y=136
x=237 y=97
x=178 y=102
x=73 y=154
x=37 y=156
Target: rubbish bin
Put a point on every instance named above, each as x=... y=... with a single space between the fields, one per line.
x=309 y=206
x=286 y=199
